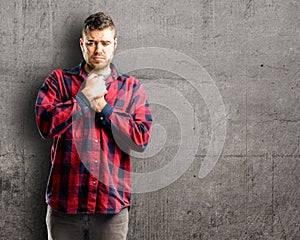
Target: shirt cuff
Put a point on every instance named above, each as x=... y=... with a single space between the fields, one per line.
x=107 y=110
x=103 y=116
x=82 y=101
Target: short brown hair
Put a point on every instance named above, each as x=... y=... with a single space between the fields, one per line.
x=98 y=21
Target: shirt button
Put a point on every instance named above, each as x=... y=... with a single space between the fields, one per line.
x=96 y=140
x=95 y=161
x=93 y=182
x=101 y=118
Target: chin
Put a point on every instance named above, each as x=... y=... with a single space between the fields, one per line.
x=101 y=66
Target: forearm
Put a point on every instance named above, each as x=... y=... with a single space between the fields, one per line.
x=129 y=131
x=55 y=117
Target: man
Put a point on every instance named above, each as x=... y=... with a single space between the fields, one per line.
x=95 y=116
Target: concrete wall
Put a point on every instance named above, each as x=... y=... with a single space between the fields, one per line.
x=250 y=48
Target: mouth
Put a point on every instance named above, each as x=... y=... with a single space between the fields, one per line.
x=98 y=58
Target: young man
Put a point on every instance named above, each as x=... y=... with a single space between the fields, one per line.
x=95 y=116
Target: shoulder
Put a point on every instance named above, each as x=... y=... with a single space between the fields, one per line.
x=130 y=80
x=130 y=83
x=125 y=78
x=64 y=72
x=61 y=74
x=57 y=78
x=56 y=74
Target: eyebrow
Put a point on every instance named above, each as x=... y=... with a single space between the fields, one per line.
x=92 y=40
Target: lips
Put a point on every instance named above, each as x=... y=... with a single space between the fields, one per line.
x=99 y=58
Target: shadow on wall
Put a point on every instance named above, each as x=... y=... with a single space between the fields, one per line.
x=37 y=150
x=67 y=51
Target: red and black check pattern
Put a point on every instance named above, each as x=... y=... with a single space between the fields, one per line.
x=90 y=155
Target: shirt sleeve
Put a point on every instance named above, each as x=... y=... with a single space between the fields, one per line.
x=53 y=115
x=131 y=129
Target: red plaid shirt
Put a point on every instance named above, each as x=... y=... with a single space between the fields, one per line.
x=91 y=170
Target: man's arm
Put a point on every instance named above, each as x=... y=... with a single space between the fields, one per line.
x=54 y=116
x=131 y=130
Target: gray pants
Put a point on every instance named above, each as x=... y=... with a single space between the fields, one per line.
x=86 y=227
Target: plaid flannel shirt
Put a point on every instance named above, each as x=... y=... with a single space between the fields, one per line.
x=90 y=155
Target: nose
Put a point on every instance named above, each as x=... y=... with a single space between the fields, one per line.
x=98 y=48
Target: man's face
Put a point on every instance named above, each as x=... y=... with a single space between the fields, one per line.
x=98 y=49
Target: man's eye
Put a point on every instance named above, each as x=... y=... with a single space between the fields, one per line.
x=90 y=43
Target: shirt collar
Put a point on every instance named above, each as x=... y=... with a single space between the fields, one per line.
x=79 y=70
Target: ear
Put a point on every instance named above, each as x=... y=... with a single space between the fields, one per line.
x=81 y=43
x=116 y=42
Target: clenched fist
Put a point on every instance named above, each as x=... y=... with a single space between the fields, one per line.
x=94 y=87
x=98 y=104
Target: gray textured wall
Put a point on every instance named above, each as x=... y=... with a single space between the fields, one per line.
x=251 y=50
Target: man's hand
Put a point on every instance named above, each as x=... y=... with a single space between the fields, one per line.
x=94 y=87
x=98 y=104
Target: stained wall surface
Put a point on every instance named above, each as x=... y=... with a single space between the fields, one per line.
x=249 y=48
